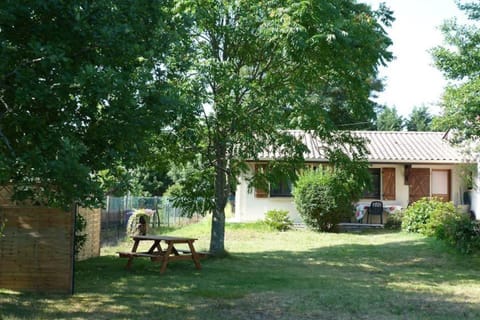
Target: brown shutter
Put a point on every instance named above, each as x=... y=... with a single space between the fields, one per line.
x=259 y=192
x=419 y=184
x=388 y=182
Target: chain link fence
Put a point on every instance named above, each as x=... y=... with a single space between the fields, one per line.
x=119 y=209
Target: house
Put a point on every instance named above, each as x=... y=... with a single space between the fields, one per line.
x=405 y=167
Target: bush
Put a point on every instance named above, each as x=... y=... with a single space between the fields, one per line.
x=443 y=213
x=418 y=214
x=278 y=220
x=323 y=200
x=461 y=232
x=441 y=220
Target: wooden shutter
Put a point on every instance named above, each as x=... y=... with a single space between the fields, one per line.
x=419 y=180
x=259 y=192
x=388 y=182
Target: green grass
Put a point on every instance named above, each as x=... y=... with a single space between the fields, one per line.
x=272 y=275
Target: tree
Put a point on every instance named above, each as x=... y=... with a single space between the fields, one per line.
x=420 y=119
x=458 y=59
x=83 y=87
x=259 y=68
x=390 y=120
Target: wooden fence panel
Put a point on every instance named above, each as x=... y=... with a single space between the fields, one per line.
x=36 y=251
x=91 y=247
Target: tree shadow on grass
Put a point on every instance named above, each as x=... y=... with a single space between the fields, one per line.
x=415 y=279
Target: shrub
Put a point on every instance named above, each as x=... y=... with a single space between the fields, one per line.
x=461 y=232
x=278 y=220
x=323 y=200
x=442 y=213
x=441 y=220
x=418 y=214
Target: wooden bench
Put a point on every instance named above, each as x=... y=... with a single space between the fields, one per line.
x=152 y=256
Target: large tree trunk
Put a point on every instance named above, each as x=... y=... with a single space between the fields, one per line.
x=217 y=237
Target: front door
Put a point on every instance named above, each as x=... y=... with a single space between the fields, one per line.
x=419 y=180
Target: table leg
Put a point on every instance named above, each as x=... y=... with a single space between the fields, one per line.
x=195 y=257
x=166 y=256
x=134 y=249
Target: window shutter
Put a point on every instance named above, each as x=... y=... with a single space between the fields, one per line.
x=388 y=181
x=259 y=192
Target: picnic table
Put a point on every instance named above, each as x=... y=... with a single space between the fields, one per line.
x=157 y=254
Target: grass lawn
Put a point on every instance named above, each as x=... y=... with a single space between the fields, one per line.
x=272 y=275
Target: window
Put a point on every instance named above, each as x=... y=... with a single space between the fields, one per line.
x=374 y=192
x=281 y=189
x=441 y=184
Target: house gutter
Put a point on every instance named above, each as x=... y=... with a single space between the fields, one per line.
x=380 y=161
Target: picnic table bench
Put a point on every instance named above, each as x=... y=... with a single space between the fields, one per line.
x=157 y=254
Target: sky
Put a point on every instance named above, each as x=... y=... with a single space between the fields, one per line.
x=411 y=79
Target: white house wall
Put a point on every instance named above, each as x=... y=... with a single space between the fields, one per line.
x=475 y=193
x=250 y=208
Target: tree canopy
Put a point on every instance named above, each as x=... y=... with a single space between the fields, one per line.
x=83 y=86
x=99 y=88
x=261 y=67
x=389 y=120
x=420 y=119
x=459 y=60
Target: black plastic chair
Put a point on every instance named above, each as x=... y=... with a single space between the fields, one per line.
x=375 y=209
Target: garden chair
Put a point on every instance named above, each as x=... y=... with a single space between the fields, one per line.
x=375 y=209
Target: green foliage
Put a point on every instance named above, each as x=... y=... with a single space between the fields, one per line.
x=390 y=120
x=80 y=235
x=139 y=181
x=420 y=119
x=324 y=199
x=458 y=230
x=83 y=88
x=278 y=220
x=439 y=214
x=441 y=220
x=458 y=60
x=192 y=189
x=417 y=216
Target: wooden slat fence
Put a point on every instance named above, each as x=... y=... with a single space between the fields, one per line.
x=91 y=247
x=36 y=251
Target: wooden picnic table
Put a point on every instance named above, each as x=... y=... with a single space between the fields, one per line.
x=157 y=254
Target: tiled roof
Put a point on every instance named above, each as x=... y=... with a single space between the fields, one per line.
x=390 y=146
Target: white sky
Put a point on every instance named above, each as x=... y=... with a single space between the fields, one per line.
x=410 y=79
